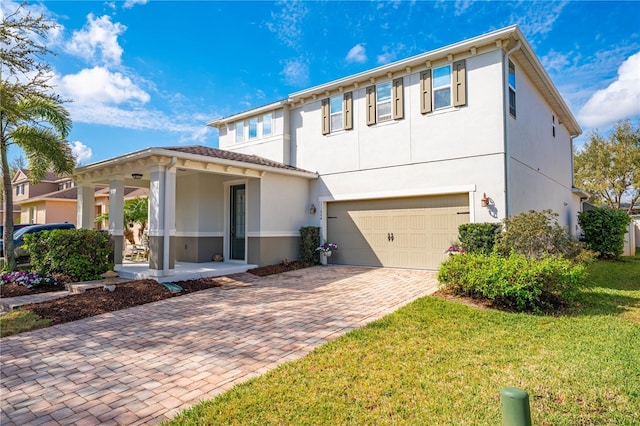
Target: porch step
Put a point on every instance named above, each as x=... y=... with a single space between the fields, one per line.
x=183 y=271
x=81 y=287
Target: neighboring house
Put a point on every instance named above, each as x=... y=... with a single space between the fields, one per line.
x=388 y=162
x=55 y=199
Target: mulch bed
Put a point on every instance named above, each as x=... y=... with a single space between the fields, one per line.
x=126 y=295
x=98 y=301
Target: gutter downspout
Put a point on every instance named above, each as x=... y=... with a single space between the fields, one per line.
x=166 y=226
x=505 y=108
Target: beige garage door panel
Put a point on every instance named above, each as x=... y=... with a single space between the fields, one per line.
x=400 y=232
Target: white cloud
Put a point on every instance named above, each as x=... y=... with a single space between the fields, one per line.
x=620 y=100
x=389 y=54
x=99 y=85
x=357 y=54
x=130 y=3
x=286 y=24
x=296 y=72
x=98 y=40
x=81 y=151
x=537 y=18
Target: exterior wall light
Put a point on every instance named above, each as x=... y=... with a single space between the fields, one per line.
x=484 y=201
x=136 y=176
x=312 y=209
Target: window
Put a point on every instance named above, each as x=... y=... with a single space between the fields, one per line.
x=266 y=124
x=512 y=89
x=240 y=131
x=442 y=87
x=553 y=125
x=20 y=189
x=335 y=112
x=60 y=186
x=253 y=128
x=385 y=101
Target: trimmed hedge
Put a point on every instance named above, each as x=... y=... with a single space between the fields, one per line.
x=526 y=284
x=603 y=231
x=478 y=237
x=309 y=242
x=80 y=254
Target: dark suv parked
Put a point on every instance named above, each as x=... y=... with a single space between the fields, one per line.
x=18 y=236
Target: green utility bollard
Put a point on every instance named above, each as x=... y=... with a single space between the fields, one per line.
x=515 y=407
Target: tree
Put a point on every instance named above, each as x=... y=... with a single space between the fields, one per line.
x=32 y=117
x=609 y=168
x=135 y=210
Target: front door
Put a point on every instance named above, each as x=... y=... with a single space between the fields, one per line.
x=238 y=222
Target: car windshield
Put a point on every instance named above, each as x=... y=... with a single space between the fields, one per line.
x=20 y=232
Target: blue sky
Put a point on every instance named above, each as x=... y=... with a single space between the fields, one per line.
x=152 y=73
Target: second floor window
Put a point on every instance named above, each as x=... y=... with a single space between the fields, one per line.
x=383 y=102
x=253 y=128
x=266 y=124
x=336 y=113
x=512 y=89
x=240 y=131
x=20 y=189
x=442 y=87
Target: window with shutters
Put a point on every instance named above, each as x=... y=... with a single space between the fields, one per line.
x=385 y=101
x=335 y=112
x=512 y=89
x=443 y=87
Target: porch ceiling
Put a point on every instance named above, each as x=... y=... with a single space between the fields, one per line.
x=184 y=159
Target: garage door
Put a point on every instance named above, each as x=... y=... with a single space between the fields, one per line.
x=399 y=232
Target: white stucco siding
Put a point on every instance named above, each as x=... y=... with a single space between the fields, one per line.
x=284 y=206
x=472 y=130
x=442 y=177
x=274 y=147
x=540 y=166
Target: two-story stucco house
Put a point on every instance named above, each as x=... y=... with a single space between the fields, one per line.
x=388 y=162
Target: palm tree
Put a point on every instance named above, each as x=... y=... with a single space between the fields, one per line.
x=37 y=123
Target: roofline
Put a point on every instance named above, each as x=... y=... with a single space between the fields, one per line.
x=220 y=122
x=148 y=152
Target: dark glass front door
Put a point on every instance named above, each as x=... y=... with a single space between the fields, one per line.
x=238 y=222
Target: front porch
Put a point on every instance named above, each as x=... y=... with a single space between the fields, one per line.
x=183 y=270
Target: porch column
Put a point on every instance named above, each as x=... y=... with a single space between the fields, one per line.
x=162 y=223
x=86 y=206
x=116 y=217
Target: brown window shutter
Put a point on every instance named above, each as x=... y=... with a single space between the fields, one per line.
x=348 y=111
x=398 y=99
x=325 y=112
x=371 y=105
x=425 y=92
x=459 y=83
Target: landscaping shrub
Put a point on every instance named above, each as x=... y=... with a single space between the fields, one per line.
x=478 y=237
x=538 y=234
x=517 y=281
x=603 y=231
x=309 y=242
x=82 y=254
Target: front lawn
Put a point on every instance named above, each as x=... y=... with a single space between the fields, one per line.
x=441 y=362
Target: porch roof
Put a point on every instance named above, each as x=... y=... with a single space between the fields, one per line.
x=194 y=157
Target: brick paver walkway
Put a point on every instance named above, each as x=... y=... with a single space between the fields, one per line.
x=142 y=365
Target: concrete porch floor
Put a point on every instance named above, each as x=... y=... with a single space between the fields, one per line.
x=183 y=270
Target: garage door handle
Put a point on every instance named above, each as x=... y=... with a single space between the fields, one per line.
x=390 y=236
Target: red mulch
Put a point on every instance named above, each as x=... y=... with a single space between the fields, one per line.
x=14 y=290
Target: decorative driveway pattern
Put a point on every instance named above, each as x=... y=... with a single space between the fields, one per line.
x=142 y=365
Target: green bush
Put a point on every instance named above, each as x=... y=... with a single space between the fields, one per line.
x=526 y=284
x=478 y=237
x=603 y=231
x=309 y=242
x=81 y=254
x=538 y=234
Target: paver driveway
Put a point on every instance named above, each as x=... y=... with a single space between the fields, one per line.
x=142 y=365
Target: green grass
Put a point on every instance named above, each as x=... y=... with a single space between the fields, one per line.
x=438 y=362
x=20 y=320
